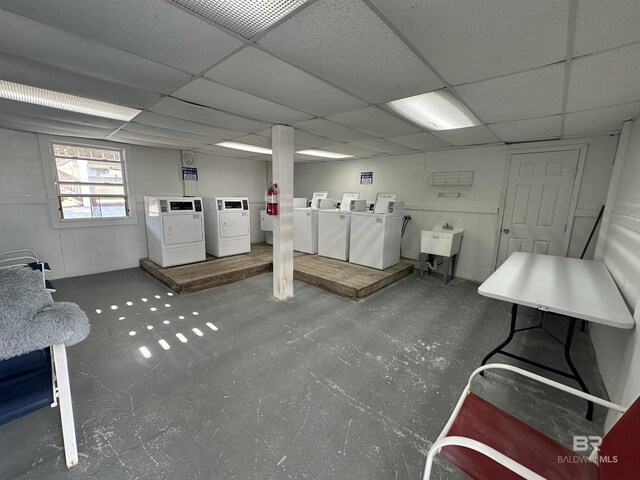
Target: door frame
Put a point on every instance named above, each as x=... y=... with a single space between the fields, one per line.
x=577 y=182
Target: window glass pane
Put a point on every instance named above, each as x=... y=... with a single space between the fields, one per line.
x=93 y=207
x=88 y=171
x=108 y=207
x=86 y=152
x=73 y=189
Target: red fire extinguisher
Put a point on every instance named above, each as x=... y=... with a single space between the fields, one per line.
x=272 y=199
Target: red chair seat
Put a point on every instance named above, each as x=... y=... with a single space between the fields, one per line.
x=482 y=421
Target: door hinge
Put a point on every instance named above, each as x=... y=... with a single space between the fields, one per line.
x=565 y=228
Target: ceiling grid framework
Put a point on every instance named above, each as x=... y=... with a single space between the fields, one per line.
x=544 y=70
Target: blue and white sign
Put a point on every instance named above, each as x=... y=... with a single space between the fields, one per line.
x=189 y=173
x=366 y=178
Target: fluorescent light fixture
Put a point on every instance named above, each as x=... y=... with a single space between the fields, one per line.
x=323 y=154
x=438 y=110
x=63 y=101
x=246 y=147
x=246 y=18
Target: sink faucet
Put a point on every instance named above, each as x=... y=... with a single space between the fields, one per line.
x=446 y=226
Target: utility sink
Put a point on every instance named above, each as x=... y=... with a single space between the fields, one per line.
x=441 y=241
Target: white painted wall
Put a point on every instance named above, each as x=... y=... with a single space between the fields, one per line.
x=227 y=177
x=26 y=221
x=477 y=210
x=618 y=351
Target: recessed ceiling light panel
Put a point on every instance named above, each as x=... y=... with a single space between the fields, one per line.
x=245 y=147
x=323 y=154
x=438 y=110
x=246 y=18
x=63 y=101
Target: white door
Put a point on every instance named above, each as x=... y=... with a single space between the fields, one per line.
x=538 y=201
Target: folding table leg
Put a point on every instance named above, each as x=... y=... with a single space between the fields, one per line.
x=512 y=331
x=574 y=370
x=66 y=409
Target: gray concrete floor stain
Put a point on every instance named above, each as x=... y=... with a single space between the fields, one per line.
x=316 y=387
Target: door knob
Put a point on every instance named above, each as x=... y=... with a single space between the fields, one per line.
x=505 y=231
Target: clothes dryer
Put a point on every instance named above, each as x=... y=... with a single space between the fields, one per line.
x=227 y=223
x=175 y=230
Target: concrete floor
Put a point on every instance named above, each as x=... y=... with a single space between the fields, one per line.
x=316 y=387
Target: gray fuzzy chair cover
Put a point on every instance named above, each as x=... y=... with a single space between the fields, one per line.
x=30 y=320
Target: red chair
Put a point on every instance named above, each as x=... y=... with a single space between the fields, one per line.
x=488 y=444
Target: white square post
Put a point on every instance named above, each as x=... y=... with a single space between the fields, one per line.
x=282 y=146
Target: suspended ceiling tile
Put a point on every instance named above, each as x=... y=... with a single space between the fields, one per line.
x=601 y=25
x=304 y=139
x=600 y=120
x=36 y=41
x=42 y=125
x=537 y=93
x=375 y=121
x=349 y=149
x=347 y=44
x=21 y=127
x=215 y=95
x=163 y=121
x=149 y=28
x=605 y=79
x=528 y=130
x=29 y=109
x=470 y=41
x=421 y=141
x=325 y=128
x=20 y=70
x=265 y=76
x=153 y=140
x=209 y=116
x=468 y=136
x=381 y=145
x=168 y=133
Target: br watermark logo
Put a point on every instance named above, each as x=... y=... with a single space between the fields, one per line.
x=584 y=443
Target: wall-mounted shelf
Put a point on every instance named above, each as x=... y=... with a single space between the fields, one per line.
x=461 y=178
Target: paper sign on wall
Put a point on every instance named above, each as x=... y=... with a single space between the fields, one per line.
x=189 y=173
x=366 y=178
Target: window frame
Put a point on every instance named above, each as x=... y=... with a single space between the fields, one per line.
x=52 y=183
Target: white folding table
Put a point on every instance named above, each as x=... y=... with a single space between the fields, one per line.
x=578 y=289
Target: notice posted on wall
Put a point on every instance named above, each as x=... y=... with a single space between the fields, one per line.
x=189 y=173
x=366 y=178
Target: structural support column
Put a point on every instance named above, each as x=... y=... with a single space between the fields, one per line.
x=282 y=146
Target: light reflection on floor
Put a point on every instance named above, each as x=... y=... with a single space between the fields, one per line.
x=144 y=350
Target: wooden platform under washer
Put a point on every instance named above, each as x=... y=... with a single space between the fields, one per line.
x=213 y=271
x=344 y=278
x=341 y=278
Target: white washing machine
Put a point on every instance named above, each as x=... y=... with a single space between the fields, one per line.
x=175 y=230
x=227 y=223
x=334 y=227
x=266 y=221
x=376 y=237
x=305 y=225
